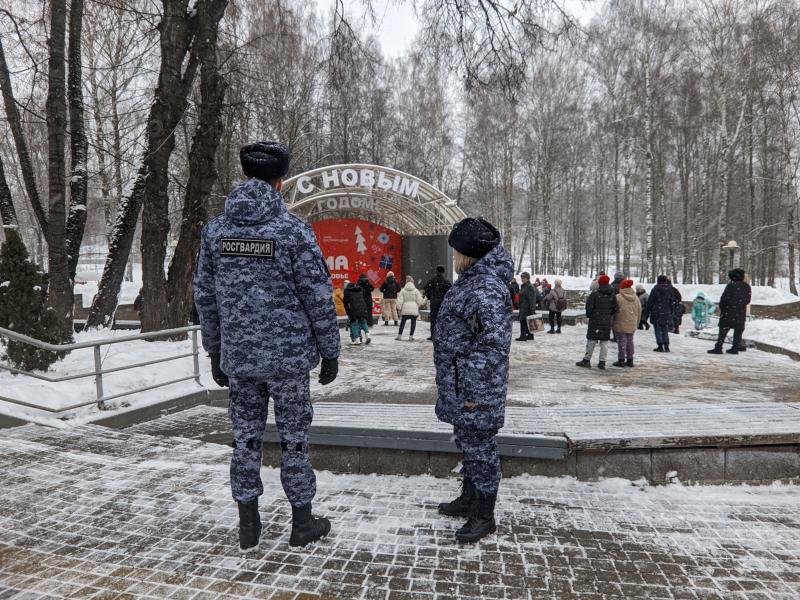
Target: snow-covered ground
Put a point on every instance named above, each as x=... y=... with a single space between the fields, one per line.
x=542 y=373
x=92 y=512
x=784 y=334
x=88 y=275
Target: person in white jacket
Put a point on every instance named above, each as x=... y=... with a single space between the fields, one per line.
x=409 y=299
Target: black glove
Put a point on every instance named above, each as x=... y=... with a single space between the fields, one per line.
x=329 y=370
x=216 y=371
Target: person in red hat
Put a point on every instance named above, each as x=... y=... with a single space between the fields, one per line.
x=600 y=309
x=626 y=320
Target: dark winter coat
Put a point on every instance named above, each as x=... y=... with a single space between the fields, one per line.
x=661 y=305
x=643 y=298
x=513 y=288
x=527 y=301
x=678 y=309
x=390 y=288
x=472 y=342
x=617 y=282
x=435 y=290
x=734 y=301
x=353 y=301
x=262 y=288
x=601 y=306
x=366 y=289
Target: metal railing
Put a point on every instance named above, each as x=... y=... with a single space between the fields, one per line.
x=98 y=371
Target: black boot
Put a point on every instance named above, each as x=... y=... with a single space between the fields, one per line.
x=307 y=528
x=629 y=363
x=461 y=506
x=551 y=330
x=619 y=363
x=558 y=330
x=732 y=350
x=659 y=349
x=584 y=363
x=601 y=365
x=481 y=520
x=666 y=347
x=715 y=350
x=249 y=525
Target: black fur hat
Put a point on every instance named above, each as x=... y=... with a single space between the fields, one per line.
x=736 y=274
x=474 y=237
x=267 y=161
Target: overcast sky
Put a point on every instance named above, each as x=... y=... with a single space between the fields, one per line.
x=397 y=25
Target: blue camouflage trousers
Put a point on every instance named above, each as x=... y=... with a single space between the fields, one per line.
x=293 y=416
x=481 y=461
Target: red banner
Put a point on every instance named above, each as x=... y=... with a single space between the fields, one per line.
x=352 y=247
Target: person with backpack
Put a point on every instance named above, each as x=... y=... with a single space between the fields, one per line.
x=556 y=301
x=357 y=312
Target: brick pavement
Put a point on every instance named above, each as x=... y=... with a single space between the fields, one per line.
x=95 y=513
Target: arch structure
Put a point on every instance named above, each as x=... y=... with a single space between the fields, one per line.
x=391 y=198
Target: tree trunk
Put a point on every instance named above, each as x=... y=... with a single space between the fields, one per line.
x=177 y=31
x=791 y=236
x=8 y=216
x=649 y=192
x=21 y=144
x=79 y=145
x=59 y=285
x=202 y=175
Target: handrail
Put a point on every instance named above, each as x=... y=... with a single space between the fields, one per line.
x=98 y=371
x=69 y=347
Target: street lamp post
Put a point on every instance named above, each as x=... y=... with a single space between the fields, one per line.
x=732 y=247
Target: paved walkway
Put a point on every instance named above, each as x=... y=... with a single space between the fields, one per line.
x=543 y=373
x=94 y=513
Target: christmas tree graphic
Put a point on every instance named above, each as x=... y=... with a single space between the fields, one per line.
x=362 y=246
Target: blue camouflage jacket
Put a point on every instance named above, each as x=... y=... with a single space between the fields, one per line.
x=472 y=343
x=262 y=288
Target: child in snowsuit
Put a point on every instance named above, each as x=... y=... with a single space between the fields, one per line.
x=357 y=312
x=701 y=309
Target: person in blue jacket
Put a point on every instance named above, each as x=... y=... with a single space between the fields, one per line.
x=471 y=347
x=265 y=301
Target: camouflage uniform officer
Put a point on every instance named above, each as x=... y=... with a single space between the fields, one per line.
x=265 y=300
x=471 y=346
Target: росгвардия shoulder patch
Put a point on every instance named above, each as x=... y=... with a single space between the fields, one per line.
x=253 y=248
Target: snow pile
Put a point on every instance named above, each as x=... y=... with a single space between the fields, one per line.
x=88 y=290
x=784 y=334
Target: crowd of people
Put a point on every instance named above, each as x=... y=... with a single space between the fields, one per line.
x=616 y=310
x=400 y=305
